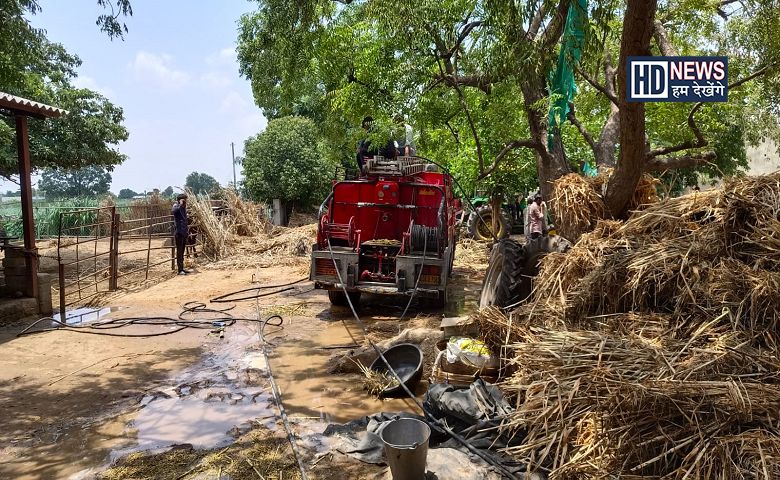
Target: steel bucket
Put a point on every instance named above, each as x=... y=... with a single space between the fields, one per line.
x=406 y=447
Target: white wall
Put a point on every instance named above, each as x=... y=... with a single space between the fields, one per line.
x=763 y=158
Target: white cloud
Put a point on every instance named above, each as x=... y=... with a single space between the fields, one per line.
x=159 y=69
x=226 y=56
x=233 y=103
x=216 y=79
x=85 y=81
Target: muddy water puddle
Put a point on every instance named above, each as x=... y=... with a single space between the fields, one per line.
x=300 y=364
x=206 y=405
x=212 y=402
x=301 y=358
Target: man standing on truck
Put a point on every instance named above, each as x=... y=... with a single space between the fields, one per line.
x=365 y=144
x=366 y=150
x=179 y=212
x=536 y=217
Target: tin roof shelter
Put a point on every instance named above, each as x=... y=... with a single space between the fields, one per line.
x=20 y=109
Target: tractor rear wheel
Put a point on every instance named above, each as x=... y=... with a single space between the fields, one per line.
x=480 y=224
x=512 y=269
x=338 y=298
x=501 y=285
x=533 y=252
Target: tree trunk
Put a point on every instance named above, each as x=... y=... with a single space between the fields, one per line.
x=551 y=164
x=605 y=147
x=637 y=32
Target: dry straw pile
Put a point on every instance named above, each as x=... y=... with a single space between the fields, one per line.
x=579 y=201
x=650 y=349
x=238 y=234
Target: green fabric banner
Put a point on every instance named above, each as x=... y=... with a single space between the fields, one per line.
x=562 y=82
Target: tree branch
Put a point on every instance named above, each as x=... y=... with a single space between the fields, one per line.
x=536 y=22
x=465 y=107
x=515 y=144
x=555 y=28
x=683 y=161
x=700 y=140
x=465 y=31
x=662 y=39
x=482 y=82
x=610 y=95
x=573 y=119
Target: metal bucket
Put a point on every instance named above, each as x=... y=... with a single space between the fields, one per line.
x=406 y=447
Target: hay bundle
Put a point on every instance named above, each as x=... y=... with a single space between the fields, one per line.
x=597 y=405
x=752 y=219
x=577 y=205
x=286 y=242
x=215 y=231
x=677 y=257
x=645 y=193
x=222 y=231
x=248 y=217
x=651 y=348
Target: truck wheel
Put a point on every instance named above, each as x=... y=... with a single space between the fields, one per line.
x=480 y=229
x=501 y=285
x=338 y=298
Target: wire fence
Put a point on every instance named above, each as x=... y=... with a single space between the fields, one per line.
x=102 y=249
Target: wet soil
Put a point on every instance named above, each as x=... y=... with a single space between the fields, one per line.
x=74 y=403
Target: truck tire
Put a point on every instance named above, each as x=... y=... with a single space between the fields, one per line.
x=338 y=298
x=480 y=229
x=501 y=285
x=512 y=268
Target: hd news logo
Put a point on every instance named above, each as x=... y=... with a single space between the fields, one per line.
x=677 y=79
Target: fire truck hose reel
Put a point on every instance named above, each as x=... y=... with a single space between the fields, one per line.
x=422 y=234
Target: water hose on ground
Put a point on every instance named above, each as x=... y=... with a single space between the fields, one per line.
x=437 y=423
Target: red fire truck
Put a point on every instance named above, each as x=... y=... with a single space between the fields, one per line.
x=390 y=232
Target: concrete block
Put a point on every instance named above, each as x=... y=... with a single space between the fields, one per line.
x=44 y=293
x=16 y=309
x=15 y=271
x=14 y=262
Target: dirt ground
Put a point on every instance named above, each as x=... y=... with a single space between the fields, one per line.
x=75 y=404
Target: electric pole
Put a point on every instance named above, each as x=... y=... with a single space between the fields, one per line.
x=233 y=151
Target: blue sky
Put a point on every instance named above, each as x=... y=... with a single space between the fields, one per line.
x=176 y=77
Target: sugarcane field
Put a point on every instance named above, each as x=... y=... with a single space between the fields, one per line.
x=375 y=239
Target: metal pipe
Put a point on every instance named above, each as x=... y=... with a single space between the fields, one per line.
x=61 y=271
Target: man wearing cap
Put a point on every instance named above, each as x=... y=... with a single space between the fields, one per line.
x=179 y=212
x=536 y=217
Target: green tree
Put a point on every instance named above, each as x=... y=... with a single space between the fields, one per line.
x=126 y=193
x=33 y=67
x=473 y=77
x=168 y=192
x=200 y=183
x=284 y=162
x=89 y=181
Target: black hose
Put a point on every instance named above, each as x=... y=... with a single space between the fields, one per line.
x=229 y=297
x=275 y=388
x=216 y=318
x=437 y=423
